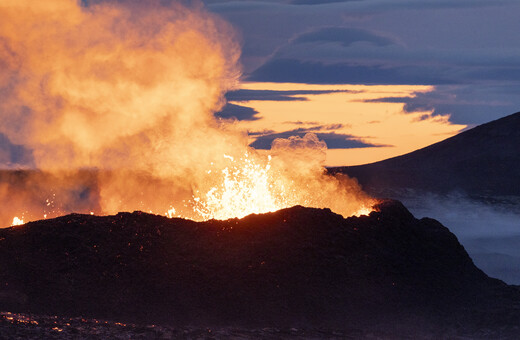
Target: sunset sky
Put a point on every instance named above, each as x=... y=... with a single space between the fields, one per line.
x=446 y=66
x=372 y=78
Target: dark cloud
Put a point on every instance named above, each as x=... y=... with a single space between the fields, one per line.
x=297 y=71
x=317 y=2
x=272 y=95
x=314 y=128
x=343 y=35
x=472 y=85
x=333 y=140
x=472 y=43
x=318 y=127
x=260 y=133
x=465 y=104
x=239 y=112
x=299 y=122
x=361 y=56
x=388 y=100
x=375 y=6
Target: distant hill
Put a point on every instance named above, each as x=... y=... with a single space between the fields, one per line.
x=483 y=161
x=297 y=267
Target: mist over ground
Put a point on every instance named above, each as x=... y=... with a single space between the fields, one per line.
x=488 y=228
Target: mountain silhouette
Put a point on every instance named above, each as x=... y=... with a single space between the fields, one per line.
x=483 y=161
x=297 y=267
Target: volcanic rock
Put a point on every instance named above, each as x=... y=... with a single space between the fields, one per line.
x=297 y=267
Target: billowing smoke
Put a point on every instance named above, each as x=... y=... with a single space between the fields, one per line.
x=114 y=86
x=127 y=91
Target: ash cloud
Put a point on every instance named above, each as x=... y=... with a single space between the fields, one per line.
x=120 y=87
x=116 y=102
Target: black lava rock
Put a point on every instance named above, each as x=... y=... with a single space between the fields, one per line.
x=297 y=267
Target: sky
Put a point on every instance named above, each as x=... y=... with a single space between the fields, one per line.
x=372 y=78
x=447 y=66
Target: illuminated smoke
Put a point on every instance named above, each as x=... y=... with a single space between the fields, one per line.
x=127 y=91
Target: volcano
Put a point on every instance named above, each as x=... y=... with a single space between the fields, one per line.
x=297 y=267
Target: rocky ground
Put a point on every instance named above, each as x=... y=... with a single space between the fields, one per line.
x=28 y=327
x=295 y=273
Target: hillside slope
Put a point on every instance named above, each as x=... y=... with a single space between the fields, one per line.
x=483 y=161
x=298 y=267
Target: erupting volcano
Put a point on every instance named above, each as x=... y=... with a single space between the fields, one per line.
x=115 y=103
x=112 y=107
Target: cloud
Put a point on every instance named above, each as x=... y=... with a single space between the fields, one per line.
x=352 y=5
x=473 y=85
x=465 y=104
x=471 y=43
x=244 y=95
x=297 y=71
x=130 y=88
x=343 y=35
x=351 y=55
x=317 y=2
x=314 y=128
x=332 y=139
x=268 y=25
x=239 y=112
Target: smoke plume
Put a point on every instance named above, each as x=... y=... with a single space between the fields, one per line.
x=127 y=91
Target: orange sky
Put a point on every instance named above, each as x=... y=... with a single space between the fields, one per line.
x=375 y=123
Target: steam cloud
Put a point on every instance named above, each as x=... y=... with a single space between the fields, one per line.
x=490 y=232
x=116 y=102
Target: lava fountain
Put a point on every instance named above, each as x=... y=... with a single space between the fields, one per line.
x=115 y=102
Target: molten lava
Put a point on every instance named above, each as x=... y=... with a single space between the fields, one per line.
x=17 y=221
x=251 y=185
x=245 y=187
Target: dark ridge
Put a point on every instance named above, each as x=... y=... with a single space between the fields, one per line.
x=483 y=161
x=297 y=267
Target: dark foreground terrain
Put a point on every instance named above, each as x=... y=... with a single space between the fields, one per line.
x=469 y=182
x=28 y=327
x=290 y=274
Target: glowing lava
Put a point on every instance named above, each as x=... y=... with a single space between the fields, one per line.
x=17 y=221
x=364 y=211
x=116 y=102
x=252 y=185
x=246 y=187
